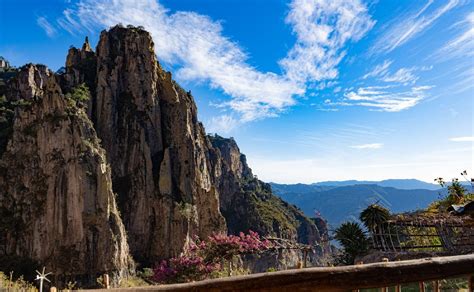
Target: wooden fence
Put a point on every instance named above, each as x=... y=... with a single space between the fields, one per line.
x=344 y=278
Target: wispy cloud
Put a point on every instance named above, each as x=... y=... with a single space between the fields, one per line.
x=462 y=139
x=462 y=45
x=379 y=70
x=322 y=28
x=368 y=146
x=223 y=124
x=403 y=75
x=383 y=99
x=46 y=26
x=406 y=27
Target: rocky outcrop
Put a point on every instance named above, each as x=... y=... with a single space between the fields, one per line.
x=154 y=143
x=248 y=203
x=56 y=201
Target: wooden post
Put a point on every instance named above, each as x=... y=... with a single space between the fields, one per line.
x=471 y=282
x=398 y=288
x=385 y=260
x=305 y=255
x=436 y=286
x=53 y=289
x=422 y=286
x=105 y=278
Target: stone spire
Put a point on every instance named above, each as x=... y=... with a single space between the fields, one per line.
x=86 y=47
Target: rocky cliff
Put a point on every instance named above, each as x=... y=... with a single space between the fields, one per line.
x=154 y=144
x=56 y=201
x=248 y=203
x=58 y=177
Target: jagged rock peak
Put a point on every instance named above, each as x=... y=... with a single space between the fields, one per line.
x=155 y=145
x=86 y=47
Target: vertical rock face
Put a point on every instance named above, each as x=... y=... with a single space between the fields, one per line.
x=56 y=201
x=154 y=143
x=248 y=203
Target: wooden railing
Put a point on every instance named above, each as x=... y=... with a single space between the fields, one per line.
x=344 y=278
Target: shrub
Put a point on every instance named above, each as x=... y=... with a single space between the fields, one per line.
x=205 y=257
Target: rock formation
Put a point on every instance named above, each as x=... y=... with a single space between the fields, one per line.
x=171 y=180
x=154 y=143
x=248 y=203
x=56 y=201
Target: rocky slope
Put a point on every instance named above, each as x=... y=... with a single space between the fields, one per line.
x=248 y=203
x=171 y=180
x=56 y=201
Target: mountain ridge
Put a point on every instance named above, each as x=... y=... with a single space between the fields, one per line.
x=341 y=203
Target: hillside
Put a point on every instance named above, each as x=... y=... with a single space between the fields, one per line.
x=338 y=204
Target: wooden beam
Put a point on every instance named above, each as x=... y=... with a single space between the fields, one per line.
x=332 y=278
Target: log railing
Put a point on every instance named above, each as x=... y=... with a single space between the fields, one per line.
x=344 y=278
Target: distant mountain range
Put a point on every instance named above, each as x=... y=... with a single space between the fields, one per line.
x=403 y=184
x=339 y=201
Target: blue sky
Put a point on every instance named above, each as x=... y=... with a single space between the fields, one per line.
x=311 y=90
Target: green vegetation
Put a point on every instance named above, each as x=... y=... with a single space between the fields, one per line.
x=79 y=95
x=374 y=218
x=457 y=194
x=8 y=282
x=353 y=240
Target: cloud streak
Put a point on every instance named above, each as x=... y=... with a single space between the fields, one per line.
x=462 y=139
x=462 y=45
x=407 y=27
x=383 y=99
x=46 y=26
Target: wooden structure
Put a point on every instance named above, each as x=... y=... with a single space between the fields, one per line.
x=426 y=232
x=344 y=278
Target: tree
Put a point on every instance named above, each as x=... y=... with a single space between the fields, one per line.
x=352 y=238
x=374 y=218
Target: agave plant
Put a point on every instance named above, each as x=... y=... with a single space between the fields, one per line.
x=374 y=217
x=352 y=238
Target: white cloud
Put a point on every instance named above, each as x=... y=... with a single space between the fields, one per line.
x=223 y=124
x=463 y=44
x=379 y=70
x=462 y=139
x=403 y=75
x=407 y=27
x=383 y=99
x=46 y=26
x=322 y=28
x=368 y=146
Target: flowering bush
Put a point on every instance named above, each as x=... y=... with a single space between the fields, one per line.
x=205 y=257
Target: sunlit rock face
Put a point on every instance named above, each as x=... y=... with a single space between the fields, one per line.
x=155 y=146
x=56 y=201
